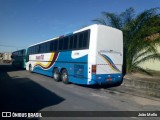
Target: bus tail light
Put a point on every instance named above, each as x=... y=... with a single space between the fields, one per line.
x=94 y=67
x=109 y=79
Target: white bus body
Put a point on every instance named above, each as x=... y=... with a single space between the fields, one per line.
x=91 y=55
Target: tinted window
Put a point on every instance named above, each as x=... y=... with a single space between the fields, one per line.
x=52 y=46
x=21 y=53
x=71 y=42
x=75 y=37
x=31 y=50
x=55 y=45
x=36 y=49
x=43 y=48
x=80 y=43
x=61 y=43
x=65 y=45
x=24 y=52
x=48 y=46
x=85 y=40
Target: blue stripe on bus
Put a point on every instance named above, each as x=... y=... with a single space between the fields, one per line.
x=77 y=68
x=66 y=56
x=79 y=75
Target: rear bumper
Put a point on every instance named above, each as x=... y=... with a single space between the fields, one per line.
x=104 y=79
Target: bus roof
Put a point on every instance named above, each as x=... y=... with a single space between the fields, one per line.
x=79 y=30
x=18 y=50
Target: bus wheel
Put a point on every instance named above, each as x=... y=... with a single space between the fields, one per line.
x=30 y=68
x=64 y=76
x=56 y=75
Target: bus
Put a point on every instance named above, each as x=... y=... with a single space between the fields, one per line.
x=19 y=58
x=91 y=55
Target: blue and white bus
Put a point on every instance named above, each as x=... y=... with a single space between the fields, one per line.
x=91 y=55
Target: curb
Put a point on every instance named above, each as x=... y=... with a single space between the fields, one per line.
x=135 y=92
x=146 y=87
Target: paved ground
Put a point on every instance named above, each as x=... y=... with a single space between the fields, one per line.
x=24 y=91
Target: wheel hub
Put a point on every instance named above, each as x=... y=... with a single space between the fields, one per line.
x=55 y=75
x=65 y=76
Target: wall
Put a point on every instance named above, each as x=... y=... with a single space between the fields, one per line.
x=152 y=65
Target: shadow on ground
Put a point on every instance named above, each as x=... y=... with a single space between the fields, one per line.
x=22 y=94
x=8 y=68
x=99 y=86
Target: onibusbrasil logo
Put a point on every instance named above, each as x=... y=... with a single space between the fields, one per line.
x=15 y=114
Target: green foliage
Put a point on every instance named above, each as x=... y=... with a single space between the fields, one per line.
x=141 y=35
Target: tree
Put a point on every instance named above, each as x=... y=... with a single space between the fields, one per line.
x=141 y=35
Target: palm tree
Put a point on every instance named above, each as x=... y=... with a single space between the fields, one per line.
x=141 y=35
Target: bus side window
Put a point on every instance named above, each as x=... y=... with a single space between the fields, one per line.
x=36 y=49
x=48 y=46
x=21 y=53
x=43 y=48
x=52 y=46
x=75 y=41
x=61 y=44
x=65 y=45
x=85 y=40
x=55 y=45
x=80 y=41
x=71 y=42
x=32 y=49
x=29 y=51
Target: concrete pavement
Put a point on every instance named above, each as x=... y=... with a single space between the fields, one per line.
x=24 y=91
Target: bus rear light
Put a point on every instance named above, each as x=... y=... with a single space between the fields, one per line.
x=94 y=67
x=109 y=79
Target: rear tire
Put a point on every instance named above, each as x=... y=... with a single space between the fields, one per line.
x=56 y=75
x=64 y=76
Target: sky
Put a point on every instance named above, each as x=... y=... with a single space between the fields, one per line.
x=26 y=22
